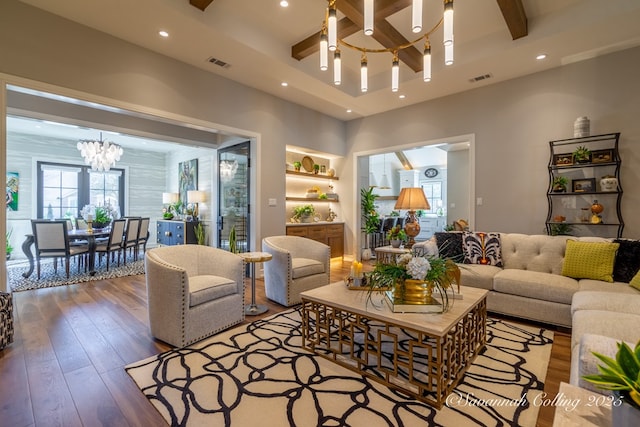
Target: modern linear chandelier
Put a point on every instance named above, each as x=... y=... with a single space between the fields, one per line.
x=329 y=42
x=101 y=155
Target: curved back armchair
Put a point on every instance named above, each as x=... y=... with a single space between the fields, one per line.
x=299 y=264
x=193 y=292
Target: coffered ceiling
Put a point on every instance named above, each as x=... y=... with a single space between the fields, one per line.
x=254 y=38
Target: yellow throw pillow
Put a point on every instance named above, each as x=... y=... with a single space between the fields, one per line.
x=635 y=282
x=589 y=260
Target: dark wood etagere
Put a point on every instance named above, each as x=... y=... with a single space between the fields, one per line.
x=569 y=211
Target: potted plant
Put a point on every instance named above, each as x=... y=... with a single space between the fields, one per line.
x=396 y=235
x=582 y=154
x=370 y=218
x=297 y=166
x=304 y=213
x=9 y=247
x=560 y=184
x=200 y=233
x=102 y=218
x=622 y=376
x=316 y=168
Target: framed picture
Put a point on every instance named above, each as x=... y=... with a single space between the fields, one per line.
x=11 y=196
x=187 y=178
x=602 y=156
x=563 y=159
x=584 y=185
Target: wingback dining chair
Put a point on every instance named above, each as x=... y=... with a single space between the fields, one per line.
x=113 y=242
x=193 y=291
x=299 y=264
x=143 y=235
x=52 y=241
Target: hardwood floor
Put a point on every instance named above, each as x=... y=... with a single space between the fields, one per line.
x=71 y=343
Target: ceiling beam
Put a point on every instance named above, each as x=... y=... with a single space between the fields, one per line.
x=515 y=17
x=200 y=4
x=311 y=44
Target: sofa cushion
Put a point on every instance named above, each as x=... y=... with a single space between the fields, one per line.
x=303 y=267
x=478 y=276
x=587 y=363
x=450 y=245
x=207 y=288
x=482 y=248
x=613 y=288
x=589 y=260
x=536 y=285
x=627 y=262
x=607 y=301
x=533 y=252
x=635 y=282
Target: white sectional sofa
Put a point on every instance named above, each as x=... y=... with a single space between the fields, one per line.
x=530 y=285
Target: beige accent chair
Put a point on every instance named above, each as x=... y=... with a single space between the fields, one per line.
x=193 y=292
x=299 y=264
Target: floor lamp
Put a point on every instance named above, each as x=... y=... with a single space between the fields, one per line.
x=412 y=198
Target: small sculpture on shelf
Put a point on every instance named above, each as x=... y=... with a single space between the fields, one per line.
x=332 y=215
x=596 y=210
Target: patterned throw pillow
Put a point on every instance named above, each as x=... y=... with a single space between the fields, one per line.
x=482 y=248
x=450 y=245
x=589 y=260
x=627 y=262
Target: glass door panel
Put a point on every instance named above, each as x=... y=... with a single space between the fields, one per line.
x=233 y=196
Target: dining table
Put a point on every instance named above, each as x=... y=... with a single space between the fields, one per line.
x=89 y=236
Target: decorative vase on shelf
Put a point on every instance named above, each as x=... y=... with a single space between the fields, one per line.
x=608 y=183
x=395 y=243
x=581 y=127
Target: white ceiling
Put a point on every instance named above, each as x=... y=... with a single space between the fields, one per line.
x=255 y=38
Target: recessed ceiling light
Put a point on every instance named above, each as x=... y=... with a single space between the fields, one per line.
x=284 y=84
x=402 y=96
x=163 y=33
x=284 y=3
x=348 y=111
x=541 y=56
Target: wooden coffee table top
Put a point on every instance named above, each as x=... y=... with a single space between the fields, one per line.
x=338 y=296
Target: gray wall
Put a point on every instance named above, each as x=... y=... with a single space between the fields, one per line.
x=512 y=123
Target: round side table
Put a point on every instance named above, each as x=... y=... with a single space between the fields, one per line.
x=254 y=309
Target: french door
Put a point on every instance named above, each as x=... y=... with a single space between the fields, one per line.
x=234 y=209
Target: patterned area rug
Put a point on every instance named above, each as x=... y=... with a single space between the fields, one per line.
x=258 y=374
x=49 y=278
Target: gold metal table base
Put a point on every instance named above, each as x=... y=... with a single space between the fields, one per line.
x=423 y=365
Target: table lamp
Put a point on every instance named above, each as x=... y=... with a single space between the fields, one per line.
x=194 y=197
x=412 y=198
x=170 y=199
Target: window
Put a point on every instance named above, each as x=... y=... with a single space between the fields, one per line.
x=63 y=190
x=433 y=192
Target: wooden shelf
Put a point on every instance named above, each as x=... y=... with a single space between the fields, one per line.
x=306 y=199
x=312 y=175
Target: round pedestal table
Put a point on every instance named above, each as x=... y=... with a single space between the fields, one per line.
x=254 y=309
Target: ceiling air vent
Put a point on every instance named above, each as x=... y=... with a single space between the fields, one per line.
x=480 y=78
x=219 y=63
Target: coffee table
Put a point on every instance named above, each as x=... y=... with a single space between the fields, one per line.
x=422 y=355
x=389 y=254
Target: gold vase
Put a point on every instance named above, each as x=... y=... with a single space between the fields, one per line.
x=414 y=292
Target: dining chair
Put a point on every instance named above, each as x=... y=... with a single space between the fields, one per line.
x=114 y=241
x=52 y=241
x=143 y=235
x=81 y=224
x=130 y=240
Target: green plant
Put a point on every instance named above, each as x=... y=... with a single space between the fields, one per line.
x=323 y=196
x=370 y=218
x=396 y=233
x=561 y=229
x=233 y=242
x=621 y=374
x=303 y=210
x=582 y=154
x=201 y=236
x=297 y=165
x=449 y=227
x=8 y=238
x=560 y=183
x=101 y=216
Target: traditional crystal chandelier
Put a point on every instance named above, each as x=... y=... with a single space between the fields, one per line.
x=101 y=155
x=329 y=42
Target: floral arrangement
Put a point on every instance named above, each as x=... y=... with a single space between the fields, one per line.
x=438 y=273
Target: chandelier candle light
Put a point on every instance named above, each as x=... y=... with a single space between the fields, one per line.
x=329 y=41
x=101 y=155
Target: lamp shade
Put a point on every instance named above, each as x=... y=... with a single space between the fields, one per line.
x=412 y=198
x=195 y=196
x=170 y=198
